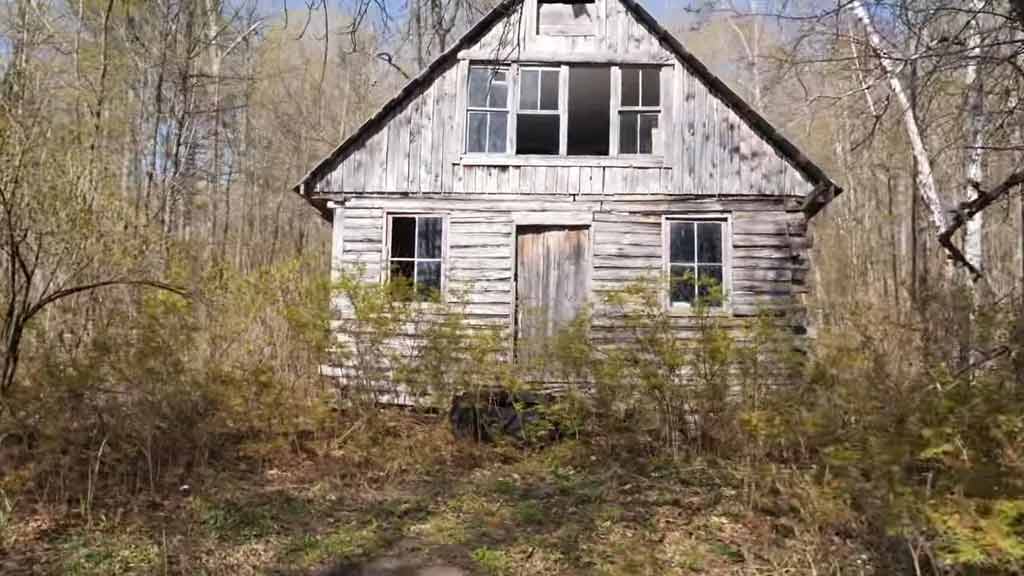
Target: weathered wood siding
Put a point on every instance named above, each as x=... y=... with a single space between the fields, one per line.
x=707 y=149
x=769 y=245
x=713 y=163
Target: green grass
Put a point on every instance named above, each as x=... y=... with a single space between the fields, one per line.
x=99 y=554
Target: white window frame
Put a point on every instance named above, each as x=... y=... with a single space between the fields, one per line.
x=386 y=272
x=514 y=76
x=562 y=112
x=508 y=109
x=657 y=143
x=727 y=254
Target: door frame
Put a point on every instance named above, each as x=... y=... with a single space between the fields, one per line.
x=580 y=223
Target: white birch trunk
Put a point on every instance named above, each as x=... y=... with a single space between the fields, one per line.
x=925 y=177
x=975 y=132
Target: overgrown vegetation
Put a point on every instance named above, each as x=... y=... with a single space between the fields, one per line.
x=162 y=409
x=878 y=444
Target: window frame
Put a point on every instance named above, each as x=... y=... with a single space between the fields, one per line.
x=657 y=145
x=510 y=83
x=562 y=112
x=684 y=308
x=386 y=268
x=514 y=75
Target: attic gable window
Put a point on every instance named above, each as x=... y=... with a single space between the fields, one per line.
x=568 y=110
x=567 y=17
x=487 y=110
x=640 y=110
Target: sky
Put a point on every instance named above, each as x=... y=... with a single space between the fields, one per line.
x=656 y=7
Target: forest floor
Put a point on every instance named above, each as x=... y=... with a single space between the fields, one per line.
x=412 y=493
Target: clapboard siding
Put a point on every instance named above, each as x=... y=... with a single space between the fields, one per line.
x=768 y=245
x=707 y=148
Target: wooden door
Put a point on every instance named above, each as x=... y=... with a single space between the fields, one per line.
x=552 y=282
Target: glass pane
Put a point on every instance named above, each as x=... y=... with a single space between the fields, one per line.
x=536 y=134
x=428 y=238
x=529 y=90
x=477 y=134
x=498 y=97
x=709 y=284
x=648 y=130
x=401 y=271
x=403 y=237
x=549 y=90
x=630 y=86
x=479 y=78
x=681 y=242
x=682 y=281
x=497 y=138
x=709 y=242
x=652 y=87
x=589 y=107
x=428 y=279
x=627 y=132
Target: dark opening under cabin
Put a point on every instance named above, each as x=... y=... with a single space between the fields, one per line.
x=559 y=151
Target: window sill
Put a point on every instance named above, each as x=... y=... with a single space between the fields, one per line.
x=640 y=161
x=686 y=310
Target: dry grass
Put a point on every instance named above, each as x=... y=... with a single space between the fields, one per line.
x=401 y=484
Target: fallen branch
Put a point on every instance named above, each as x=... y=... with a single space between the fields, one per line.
x=967 y=210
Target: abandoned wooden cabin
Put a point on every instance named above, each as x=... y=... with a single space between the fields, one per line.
x=560 y=150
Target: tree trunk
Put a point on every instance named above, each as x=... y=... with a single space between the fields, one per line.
x=925 y=175
x=975 y=132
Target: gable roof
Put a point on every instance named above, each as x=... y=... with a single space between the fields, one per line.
x=824 y=188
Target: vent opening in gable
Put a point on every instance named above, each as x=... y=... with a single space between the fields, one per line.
x=567 y=17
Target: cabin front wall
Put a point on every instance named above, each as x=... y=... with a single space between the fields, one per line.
x=766 y=246
x=711 y=164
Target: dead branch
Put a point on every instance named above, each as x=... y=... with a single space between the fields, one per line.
x=967 y=210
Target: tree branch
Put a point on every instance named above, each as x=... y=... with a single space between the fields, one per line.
x=967 y=210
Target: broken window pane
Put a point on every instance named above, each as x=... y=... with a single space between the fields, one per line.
x=428 y=238
x=403 y=237
x=567 y=17
x=589 y=108
x=630 y=86
x=651 y=87
x=537 y=134
x=402 y=270
x=648 y=131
